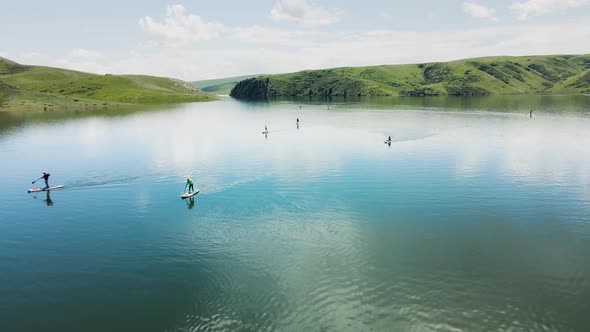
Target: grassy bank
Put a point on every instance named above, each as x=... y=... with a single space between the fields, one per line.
x=470 y=77
x=24 y=88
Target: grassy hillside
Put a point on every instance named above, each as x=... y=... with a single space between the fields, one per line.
x=479 y=76
x=220 y=86
x=36 y=88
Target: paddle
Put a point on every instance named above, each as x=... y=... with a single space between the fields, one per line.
x=36 y=180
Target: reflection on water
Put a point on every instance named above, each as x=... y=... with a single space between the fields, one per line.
x=474 y=218
x=550 y=104
x=48 y=199
x=190 y=203
x=8 y=120
x=45 y=197
x=554 y=104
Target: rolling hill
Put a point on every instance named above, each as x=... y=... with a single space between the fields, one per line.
x=220 y=86
x=470 y=77
x=25 y=87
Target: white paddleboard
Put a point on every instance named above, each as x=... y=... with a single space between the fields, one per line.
x=265 y=132
x=36 y=190
x=187 y=195
x=388 y=142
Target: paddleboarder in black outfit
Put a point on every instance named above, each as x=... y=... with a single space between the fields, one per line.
x=45 y=177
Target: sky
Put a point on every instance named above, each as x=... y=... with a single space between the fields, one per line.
x=194 y=39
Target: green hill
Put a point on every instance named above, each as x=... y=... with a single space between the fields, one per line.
x=220 y=86
x=478 y=76
x=36 y=88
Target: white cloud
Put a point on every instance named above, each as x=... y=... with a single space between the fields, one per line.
x=181 y=27
x=81 y=53
x=254 y=50
x=303 y=13
x=479 y=11
x=540 y=7
x=370 y=48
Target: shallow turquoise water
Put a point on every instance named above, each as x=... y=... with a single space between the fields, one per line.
x=476 y=218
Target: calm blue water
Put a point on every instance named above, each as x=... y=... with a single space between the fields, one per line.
x=476 y=217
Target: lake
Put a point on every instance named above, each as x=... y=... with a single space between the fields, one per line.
x=475 y=218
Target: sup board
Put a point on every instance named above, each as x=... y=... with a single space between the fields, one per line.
x=388 y=142
x=187 y=195
x=36 y=190
x=265 y=132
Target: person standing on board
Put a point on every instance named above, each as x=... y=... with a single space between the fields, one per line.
x=531 y=114
x=190 y=185
x=46 y=178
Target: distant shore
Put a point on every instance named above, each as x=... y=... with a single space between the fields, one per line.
x=554 y=74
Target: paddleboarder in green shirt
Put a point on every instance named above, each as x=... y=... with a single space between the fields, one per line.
x=190 y=185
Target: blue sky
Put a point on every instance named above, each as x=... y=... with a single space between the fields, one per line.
x=196 y=39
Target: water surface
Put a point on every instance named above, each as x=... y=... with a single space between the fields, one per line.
x=475 y=218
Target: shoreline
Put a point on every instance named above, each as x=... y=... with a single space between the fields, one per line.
x=412 y=96
x=53 y=103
